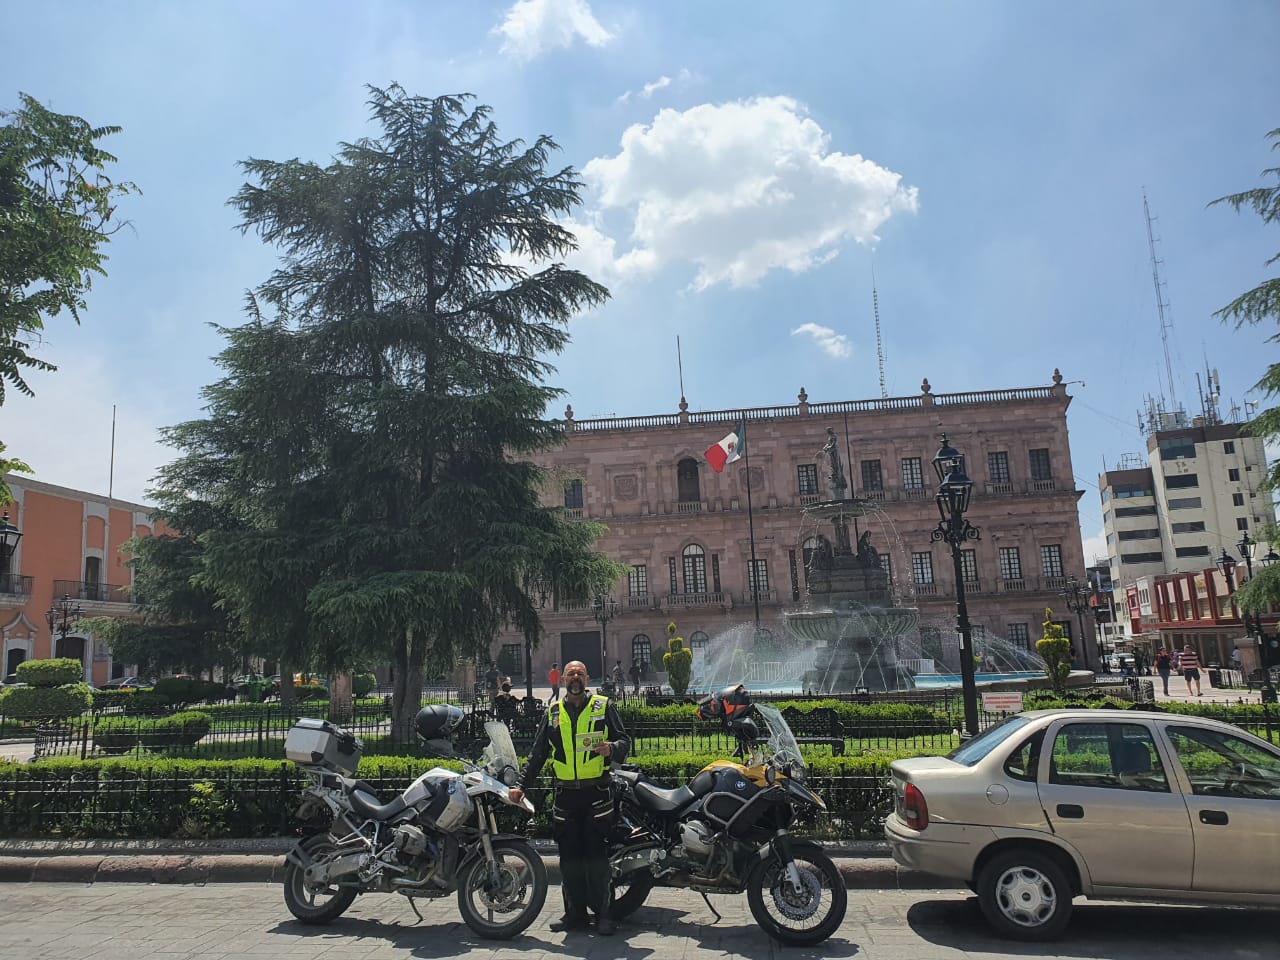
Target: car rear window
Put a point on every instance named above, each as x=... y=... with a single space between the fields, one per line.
x=970 y=753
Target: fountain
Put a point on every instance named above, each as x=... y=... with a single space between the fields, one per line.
x=849 y=615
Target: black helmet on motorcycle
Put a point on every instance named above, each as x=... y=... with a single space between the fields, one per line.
x=730 y=703
x=437 y=721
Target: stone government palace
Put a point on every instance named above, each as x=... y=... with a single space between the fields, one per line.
x=683 y=528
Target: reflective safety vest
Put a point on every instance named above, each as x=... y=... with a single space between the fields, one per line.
x=575 y=760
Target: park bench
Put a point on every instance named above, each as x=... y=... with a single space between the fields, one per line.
x=821 y=725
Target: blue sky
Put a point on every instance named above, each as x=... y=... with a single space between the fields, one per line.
x=747 y=163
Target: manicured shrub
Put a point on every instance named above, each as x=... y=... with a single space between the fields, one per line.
x=175 y=690
x=362 y=684
x=50 y=673
x=119 y=735
x=146 y=703
x=46 y=703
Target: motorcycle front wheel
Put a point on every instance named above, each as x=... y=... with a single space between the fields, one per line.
x=499 y=904
x=315 y=904
x=804 y=916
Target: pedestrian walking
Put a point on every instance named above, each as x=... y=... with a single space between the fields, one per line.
x=1190 y=665
x=492 y=682
x=553 y=679
x=635 y=677
x=1164 y=663
x=581 y=735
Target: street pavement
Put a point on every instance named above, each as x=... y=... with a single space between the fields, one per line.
x=223 y=921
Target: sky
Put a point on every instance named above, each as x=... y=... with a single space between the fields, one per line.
x=749 y=168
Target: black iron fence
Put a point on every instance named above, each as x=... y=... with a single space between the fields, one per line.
x=44 y=802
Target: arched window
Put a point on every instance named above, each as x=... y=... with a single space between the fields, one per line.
x=641 y=649
x=687 y=487
x=698 y=640
x=695 y=569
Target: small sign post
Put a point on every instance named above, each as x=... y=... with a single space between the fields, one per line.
x=1002 y=702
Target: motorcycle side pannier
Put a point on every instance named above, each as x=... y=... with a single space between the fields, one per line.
x=319 y=743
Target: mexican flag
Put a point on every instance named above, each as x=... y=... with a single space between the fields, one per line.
x=728 y=450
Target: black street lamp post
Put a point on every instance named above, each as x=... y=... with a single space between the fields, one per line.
x=1076 y=596
x=62 y=618
x=954 y=490
x=604 y=609
x=1247 y=547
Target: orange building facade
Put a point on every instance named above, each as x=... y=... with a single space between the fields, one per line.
x=71 y=546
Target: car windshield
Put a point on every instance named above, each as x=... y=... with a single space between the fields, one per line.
x=974 y=750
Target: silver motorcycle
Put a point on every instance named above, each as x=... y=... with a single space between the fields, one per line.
x=437 y=838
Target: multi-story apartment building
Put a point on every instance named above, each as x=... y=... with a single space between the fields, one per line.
x=1197 y=495
x=70 y=547
x=684 y=530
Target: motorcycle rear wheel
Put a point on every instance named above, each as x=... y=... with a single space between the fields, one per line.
x=499 y=908
x=804 y=918
x=629 y=892
x=315 y=905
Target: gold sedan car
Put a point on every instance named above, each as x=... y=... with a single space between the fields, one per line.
x=1106 y=804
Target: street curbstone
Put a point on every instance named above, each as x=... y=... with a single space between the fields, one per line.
x=65 y=869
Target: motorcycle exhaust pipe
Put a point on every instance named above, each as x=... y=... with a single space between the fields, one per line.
x=340 y=867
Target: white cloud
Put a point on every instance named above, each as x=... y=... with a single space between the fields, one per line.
x=740 y=189
x=533 y=27
x=649 y=89
x=1095 y=548
x=833 y=344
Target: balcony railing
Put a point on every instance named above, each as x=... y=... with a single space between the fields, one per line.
x=926 y=589
x=808 y=499
x=639 y=601
x=1042 y=486
x=877 y=494
x=765 y=596
x=695 y=599
x=1002 y=488
x=689 y=506
x=15 y=585
x=1017 y=585
x=917 y=493
x=573 y=513
x=92 y=592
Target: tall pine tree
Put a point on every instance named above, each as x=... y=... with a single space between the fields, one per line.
x=374 y=432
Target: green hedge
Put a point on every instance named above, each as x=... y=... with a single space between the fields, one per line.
x=50 y=673
x=161 y=797
x=179 y=690
x=46 y=703
x=362 y=684
x=120 y=735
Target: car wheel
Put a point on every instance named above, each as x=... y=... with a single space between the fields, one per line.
x=1025 y=895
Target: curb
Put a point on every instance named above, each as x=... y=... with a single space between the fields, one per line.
x=859 y=873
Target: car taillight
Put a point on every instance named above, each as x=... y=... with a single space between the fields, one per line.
x=914 y=810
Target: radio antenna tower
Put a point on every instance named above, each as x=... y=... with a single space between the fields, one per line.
x=875 y=307
x=1165 y=325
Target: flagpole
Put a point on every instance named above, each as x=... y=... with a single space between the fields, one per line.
x=751 y=528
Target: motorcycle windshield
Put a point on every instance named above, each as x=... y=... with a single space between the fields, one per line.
x=783 y=748
x=499 y=758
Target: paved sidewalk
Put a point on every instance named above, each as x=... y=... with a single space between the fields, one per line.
x=222 y=922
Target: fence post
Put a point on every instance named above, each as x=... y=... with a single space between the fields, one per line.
x=261 y=746
x=84 y=739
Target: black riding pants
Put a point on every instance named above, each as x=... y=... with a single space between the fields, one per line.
x=580 y=824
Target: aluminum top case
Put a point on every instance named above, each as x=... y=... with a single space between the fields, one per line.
x=319 y=743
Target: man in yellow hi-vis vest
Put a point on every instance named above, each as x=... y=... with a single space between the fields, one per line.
x=581 y=735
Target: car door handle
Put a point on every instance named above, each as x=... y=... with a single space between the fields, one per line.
x=1214 y=817
x=1070 y=811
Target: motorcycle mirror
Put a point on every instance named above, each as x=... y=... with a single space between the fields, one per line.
x=770 y=775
